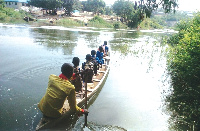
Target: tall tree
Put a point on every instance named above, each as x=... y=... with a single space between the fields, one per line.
x=147 y=6
x=95 y=6
x=125 y=9
x=70 y=6
x=134 y=12
x=48 y=4
x=108 y=10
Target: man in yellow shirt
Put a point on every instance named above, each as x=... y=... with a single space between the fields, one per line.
x=59 y=89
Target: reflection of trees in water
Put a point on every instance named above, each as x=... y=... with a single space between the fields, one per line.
x=123 y=42
x=67 y=49
x=92 y=39
x=56 y=39
x=123 y=48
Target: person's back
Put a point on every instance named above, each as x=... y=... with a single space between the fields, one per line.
x=59 y=88
x=57 y=91
x=76 y=62
x=95 y=60
x=100 y=55
x=76 y=81
x=105 y=47
x=88 y=64
x=88 y=68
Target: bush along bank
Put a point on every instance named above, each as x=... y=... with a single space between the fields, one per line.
x=184 y=67
x=9 y=15
x=99 y=22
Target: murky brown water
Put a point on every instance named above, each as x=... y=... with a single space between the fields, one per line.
x=131 y=98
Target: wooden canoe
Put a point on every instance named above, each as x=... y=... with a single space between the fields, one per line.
x=92 y=90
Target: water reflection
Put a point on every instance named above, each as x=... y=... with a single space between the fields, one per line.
x=54 y=39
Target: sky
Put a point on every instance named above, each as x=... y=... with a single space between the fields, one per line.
x=186 y=5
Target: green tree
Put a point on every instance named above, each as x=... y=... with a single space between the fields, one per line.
x=127 y=12
x=70 y=6
x=95 y=6
x=108 y=10
x=119 y=8
x=134 y=12
x=148 y=6
x=48 y=4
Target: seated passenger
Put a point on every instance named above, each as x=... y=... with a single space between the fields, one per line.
x=59 y=89
x=95 y=60
x=76 y=62
x=105 y=48
x=76 y=81
x=88 y=69
x=100 y=55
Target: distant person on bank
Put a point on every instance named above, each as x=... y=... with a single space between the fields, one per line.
x=59 y=89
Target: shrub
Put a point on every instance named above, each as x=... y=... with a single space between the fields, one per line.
x=184 y=69
x=99 y=22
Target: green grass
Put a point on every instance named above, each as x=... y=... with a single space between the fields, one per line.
x=66 y=22
x=99 y=22
x=149 y=23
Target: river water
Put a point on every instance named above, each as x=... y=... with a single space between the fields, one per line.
x=131 y=99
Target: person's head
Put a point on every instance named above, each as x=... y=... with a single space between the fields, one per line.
x=105 y=43
x=67 y=70
x=88 y=57
x=93 y=52
x=100 y=48
x=76 y=61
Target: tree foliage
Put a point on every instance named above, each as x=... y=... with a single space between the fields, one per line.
x=2 y=4
x=48 y=4
x=127 y=12
x=71 y=5
x=184 y=69
x=134 y=12
x=147 y=6
x=96 y=6
x=108 y=11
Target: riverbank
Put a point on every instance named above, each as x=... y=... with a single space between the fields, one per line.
x=81 y=19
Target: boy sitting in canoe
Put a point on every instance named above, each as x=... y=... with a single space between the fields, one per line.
x=100 y=55
x=95 y=60
x=88 y=68
x=77 y=79
x=59 y=88
x=105 y=48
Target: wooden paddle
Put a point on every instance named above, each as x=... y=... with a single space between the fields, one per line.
x=86 y=79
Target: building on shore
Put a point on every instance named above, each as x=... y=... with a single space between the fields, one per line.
x=16 y=4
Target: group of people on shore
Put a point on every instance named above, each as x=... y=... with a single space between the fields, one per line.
x=66 y=85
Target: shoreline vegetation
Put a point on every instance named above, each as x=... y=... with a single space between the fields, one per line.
x=183 y=102
x=11 y=16
x=98 y=21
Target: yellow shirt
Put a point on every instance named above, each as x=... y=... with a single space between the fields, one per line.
x=57 y=92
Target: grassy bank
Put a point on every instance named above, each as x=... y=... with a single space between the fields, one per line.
x=150 y=23
x=97 y=22
x=67 y=22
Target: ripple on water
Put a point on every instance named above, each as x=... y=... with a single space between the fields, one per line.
x=95 y=127
x=91 y=126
